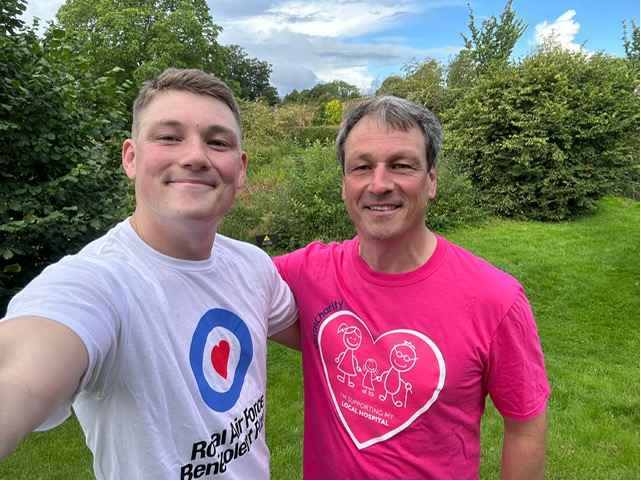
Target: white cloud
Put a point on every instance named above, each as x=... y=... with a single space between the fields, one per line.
x=324 y=18
x=322 y=40
x=563 y=30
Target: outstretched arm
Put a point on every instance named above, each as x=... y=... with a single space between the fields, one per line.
x=524 y=448
x=41 y=364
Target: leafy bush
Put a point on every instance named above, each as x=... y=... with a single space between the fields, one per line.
x=309 y=205
x=260 y=124
x=456 y=202
x=62 y=184
x=333 y=112
x=546 y=139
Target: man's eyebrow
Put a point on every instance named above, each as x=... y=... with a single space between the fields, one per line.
x=213 y=128
x=165 y=123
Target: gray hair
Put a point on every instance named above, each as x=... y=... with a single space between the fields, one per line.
x=399 y=114
x=189 y=80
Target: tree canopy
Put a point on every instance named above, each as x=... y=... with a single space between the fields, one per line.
x=143 y=37
x=495 y=40
x=250 y=76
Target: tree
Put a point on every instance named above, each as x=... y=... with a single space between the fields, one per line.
x=495 y=40
x=143 y=37
x=334 y=90
x=10 y=12
x=460 y=71
x=424 y=84
x=394 y=85
x=293 y=97
x=62 y=126
x=251 y=75
x=324 y=92
x=631 y=45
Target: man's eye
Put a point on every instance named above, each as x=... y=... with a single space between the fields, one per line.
x=167 y=138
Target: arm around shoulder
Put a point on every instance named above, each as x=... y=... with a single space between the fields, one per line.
x=41 y=365
x=289 y=337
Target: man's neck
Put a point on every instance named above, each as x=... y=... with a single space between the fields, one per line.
x=188 y=241
x=397 y=257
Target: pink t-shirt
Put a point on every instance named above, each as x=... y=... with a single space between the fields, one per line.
x=397 y=367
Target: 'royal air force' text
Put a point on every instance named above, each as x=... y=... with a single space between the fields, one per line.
x=211 y=456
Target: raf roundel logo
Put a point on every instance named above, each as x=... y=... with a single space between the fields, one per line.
x=220 y=354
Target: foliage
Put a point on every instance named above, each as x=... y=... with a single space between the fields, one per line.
x=422 y=83
x=268 y=125
x=251 y=75
x=310 y=206
x=547 y=138
x=308 y=135
x=460 y=75
x=631 y=46
x=323 y=92
x=10 y=12
x=319 y=116
x=495 y=40
x=333 y=112
x=456 y=202
x=460 y=72
x=260 y=123
x=425 y=84
x=296 y=115
x=393 y=85
x=306 y=204
x=59 y=160
x=143 y=37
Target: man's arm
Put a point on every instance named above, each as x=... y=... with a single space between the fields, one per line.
x=41 y=364
x=524 y=448
x=289 y=337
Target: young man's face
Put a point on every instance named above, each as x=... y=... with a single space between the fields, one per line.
x=186 y=159
x=386 y=186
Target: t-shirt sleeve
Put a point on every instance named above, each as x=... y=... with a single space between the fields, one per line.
x=283 y=310
x=288 y=266
x=71 y=293
x=515 y=375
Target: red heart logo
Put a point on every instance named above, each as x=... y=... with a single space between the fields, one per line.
x=379 y=386
x=220 y=358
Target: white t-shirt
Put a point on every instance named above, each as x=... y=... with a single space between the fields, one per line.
x=175 y=387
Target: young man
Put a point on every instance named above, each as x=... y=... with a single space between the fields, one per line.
x=404 y=333
x=156 y=333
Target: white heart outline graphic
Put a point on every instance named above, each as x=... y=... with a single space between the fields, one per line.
x=410 y=420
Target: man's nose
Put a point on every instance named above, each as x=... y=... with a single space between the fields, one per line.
x=195 y=154
x=381 y=180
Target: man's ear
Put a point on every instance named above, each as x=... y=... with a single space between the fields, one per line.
x=243 y=171
x=431 y=183
x=129 y=157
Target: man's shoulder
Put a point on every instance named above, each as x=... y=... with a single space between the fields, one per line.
x=477 y=267
x=319 y=248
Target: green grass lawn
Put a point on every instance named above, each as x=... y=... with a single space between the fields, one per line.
x=582 y=279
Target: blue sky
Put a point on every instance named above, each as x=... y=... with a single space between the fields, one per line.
x=364 y=41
